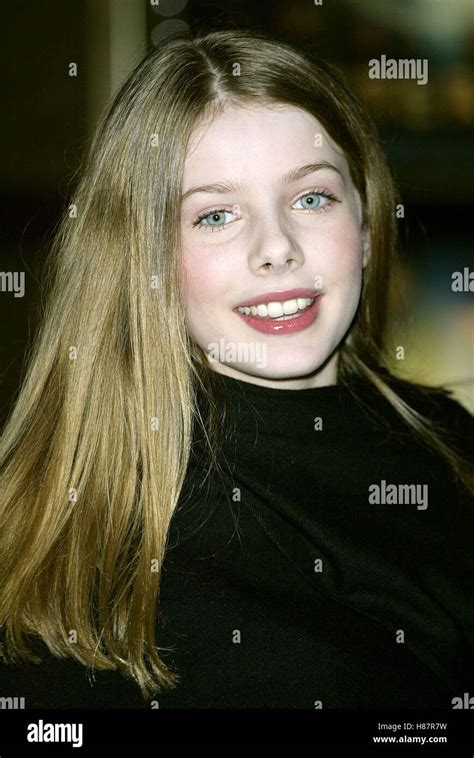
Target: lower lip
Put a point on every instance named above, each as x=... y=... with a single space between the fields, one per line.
x=291 y=325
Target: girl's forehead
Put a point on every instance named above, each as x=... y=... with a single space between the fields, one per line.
x=263 y=116
x=279 y=126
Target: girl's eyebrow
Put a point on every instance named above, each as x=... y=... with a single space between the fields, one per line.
x=232 y=186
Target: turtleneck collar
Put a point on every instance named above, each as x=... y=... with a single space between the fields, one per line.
x=286 y=412
x=264 y=392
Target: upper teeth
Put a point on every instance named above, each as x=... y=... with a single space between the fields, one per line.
x=276 y=309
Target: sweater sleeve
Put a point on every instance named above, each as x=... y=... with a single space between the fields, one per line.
x=64 y=683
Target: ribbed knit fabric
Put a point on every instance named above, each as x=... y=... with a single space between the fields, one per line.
x=330 y=566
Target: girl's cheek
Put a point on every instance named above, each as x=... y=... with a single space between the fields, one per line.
x=194 y=270
x=341 y=254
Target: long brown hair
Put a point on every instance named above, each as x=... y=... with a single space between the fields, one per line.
x=94 y=454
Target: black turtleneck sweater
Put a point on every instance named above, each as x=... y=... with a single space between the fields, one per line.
x=331 y=566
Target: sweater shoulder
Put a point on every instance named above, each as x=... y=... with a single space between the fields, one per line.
x=64 y=683
x=451 y=419
x=452 y=422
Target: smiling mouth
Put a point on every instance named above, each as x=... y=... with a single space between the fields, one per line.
x=278 y=310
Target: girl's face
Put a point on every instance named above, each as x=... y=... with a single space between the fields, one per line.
x=278 y=212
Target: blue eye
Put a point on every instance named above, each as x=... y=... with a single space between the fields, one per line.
x=214 y=216
x=313 y=204
x=317 y=205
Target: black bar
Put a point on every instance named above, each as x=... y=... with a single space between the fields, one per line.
x=141 y=732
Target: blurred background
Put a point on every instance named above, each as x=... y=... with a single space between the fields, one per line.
x=426 y=132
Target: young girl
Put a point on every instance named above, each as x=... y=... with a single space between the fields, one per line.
x=213 y=492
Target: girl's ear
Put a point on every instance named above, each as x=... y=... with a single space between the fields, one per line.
x=364 y=232
x=366 y=247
